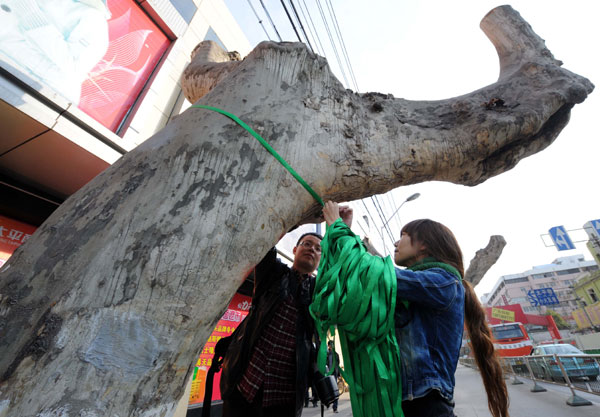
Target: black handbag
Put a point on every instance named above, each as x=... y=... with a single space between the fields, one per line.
x=327 y=389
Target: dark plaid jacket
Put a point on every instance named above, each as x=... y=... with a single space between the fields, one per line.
x=273 y=282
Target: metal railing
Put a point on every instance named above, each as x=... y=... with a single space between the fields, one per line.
x=577 y=372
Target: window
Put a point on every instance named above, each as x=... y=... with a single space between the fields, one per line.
x=186 y=9
x=510 y=331
x=212 y=36
x=592 y=295
x=591 y=268
x=568 y=271
x=561 y=350
x=517 y=280
x=543 y=275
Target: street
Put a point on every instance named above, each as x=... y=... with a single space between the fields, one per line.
x=471 y=400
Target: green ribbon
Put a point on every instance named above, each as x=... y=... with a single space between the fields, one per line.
x=356 y=292
x=267 y=147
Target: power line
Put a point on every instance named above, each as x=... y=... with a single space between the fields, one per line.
x=332 y=42
x=309 y=23
x=381 y=216
x=259 y=20
x=301 y=25
x=270 y=20
x=290 y=19
x=373 y=220
x=335 y=23
x=341 y=40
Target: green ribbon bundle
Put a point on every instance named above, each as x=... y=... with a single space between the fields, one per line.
x=356 y=292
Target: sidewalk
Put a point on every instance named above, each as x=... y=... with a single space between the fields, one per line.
x=471 y=400
x=344 y=408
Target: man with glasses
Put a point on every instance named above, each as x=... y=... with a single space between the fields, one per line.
x=269 y=361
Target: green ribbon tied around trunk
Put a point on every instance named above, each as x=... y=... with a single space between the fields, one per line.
x=268 y=147
x=356 y=292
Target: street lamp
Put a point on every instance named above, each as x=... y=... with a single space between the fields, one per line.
x=410 y=198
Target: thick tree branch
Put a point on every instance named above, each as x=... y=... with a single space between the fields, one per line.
x=484 y=259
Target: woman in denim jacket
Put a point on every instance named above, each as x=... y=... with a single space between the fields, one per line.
x=429 y=325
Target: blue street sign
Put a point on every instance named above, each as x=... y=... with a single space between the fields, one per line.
x=596 y=225
x=546 y=296
x=542 y=297
x=561 y=238
x=532 y=299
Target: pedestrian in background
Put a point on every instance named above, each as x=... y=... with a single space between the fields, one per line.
x=333 y=362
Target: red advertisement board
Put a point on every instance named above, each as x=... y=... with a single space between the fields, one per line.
x=236 y=312
x=12 y=235
x=96 y=53
x=135 y=45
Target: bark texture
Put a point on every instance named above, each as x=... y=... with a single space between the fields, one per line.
x=484 y=259
x=105 y=309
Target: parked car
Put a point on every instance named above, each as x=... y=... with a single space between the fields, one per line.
x=544 y=365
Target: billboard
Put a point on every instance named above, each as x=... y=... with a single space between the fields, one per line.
x=12 y=235
x=236 y=312
x=504 y=315
x=97 y=54
x=587 y=316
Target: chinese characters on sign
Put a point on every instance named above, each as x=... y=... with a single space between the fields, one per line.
x=542 y=297
x=12 y=235
x=502 y=314
x=236 y=312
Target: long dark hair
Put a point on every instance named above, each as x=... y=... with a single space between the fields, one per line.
x=440 y=243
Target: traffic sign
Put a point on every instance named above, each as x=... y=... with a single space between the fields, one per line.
x=561 y=238
x=596 y=226
x=532 y=299
x=542 y=297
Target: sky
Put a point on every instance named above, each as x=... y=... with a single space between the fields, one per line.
x=434 y=49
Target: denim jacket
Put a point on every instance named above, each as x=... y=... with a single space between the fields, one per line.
x=429 y=331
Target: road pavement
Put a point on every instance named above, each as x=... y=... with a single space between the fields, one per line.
x=471 y=400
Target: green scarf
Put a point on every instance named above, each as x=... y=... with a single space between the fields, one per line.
x=429 y=263
x=356 y=292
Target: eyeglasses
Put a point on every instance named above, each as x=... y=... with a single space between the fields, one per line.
x=306 y=244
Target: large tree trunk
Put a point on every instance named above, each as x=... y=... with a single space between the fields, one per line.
x=104 y=310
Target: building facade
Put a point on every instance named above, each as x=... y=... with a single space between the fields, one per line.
x=592 y=228
x=560 y=275
x=84 y=82
x=587 y=295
